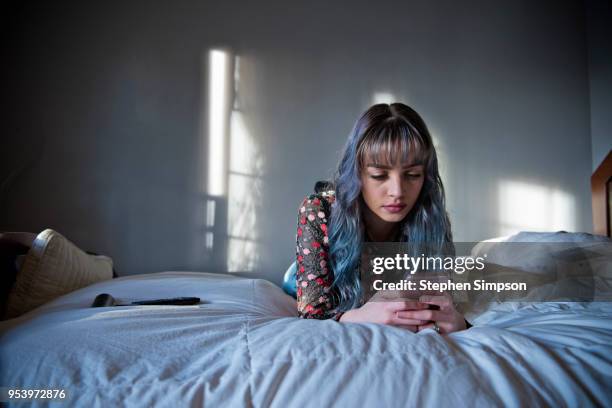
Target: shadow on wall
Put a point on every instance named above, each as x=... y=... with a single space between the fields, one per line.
x=235 y=167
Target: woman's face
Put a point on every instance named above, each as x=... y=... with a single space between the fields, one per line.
x=390 y=192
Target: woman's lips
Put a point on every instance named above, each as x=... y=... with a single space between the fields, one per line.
x=394 y=208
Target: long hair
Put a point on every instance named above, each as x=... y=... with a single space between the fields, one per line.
x=386 y=134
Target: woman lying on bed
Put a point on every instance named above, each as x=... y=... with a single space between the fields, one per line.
x=386 y=188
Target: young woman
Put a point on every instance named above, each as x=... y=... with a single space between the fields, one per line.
x=386 y=188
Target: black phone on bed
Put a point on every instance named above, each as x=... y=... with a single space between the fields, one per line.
x=106 y=300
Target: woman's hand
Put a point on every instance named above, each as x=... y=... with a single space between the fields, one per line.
x=387 y=312
x=448 y=319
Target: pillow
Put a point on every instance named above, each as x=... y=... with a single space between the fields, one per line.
x=538 y=252
x=557 y=266
x=53 y=267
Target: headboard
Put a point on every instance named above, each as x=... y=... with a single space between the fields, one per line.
x=601 y=188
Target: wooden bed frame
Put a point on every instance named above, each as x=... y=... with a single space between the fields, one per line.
x=601 y=188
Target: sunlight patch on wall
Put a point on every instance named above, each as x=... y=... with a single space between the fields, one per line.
x=210 y=224
x=218 y=114
x=532 y=207
x=218 y=88
x=383 y=97
x=244 y=189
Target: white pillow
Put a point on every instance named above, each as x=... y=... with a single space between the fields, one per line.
x=539 y=252
x=557 y=266
x=53 y=267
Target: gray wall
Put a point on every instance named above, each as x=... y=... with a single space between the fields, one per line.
x=599 y=32
x=105 y=126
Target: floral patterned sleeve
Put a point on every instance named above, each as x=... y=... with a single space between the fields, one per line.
x=315 y=297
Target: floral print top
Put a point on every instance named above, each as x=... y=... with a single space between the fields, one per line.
x=316 y=299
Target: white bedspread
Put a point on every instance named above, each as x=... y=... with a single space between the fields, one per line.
x=245 y=347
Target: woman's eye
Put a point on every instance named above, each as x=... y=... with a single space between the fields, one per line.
x=377 y=176
x=413 y=175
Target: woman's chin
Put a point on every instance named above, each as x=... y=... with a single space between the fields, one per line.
x=397 y=217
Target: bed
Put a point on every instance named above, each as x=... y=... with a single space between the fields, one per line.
x=244 y=346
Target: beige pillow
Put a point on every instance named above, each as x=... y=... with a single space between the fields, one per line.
x=53 y=267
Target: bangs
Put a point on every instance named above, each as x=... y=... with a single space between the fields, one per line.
x=391 y=144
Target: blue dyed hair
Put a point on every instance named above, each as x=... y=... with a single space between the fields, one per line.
x=384 y=134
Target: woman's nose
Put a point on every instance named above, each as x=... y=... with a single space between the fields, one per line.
x=396 y=189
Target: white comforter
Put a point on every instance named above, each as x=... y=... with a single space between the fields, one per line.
x=245 y=347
